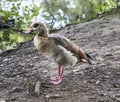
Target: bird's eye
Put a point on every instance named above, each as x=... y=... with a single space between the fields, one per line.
x=36 y=25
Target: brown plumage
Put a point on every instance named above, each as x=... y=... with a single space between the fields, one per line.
x=63 y=51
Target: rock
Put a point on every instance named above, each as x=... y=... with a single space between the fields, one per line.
x=37 y=87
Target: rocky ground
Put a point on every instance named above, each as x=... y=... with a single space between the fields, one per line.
x=23 y=69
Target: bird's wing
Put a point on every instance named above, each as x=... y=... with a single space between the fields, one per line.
x=72 y=47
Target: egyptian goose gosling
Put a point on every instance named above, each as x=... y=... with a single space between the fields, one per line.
x=63 y=51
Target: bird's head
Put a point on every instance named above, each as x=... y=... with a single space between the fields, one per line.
x=38 y=28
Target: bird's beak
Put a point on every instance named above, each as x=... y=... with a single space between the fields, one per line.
x=29 y=31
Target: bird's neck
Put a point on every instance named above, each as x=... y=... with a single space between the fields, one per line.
x=42 y=37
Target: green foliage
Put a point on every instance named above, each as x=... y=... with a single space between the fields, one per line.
x=63 y=12
x=23 y=14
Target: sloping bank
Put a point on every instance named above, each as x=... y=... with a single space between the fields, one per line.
x=20 y=69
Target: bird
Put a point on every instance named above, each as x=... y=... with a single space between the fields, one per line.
x=60 y=49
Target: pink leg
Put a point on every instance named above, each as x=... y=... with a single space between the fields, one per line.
x=58 y=79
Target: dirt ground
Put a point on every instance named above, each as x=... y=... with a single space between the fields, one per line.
x=23 y=69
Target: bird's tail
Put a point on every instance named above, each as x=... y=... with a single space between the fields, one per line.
x=85 y=57
x=89 y=58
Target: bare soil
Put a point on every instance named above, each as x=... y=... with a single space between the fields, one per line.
x=24 y=68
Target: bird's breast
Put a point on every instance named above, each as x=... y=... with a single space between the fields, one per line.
x=43 y=46
x=37 y=43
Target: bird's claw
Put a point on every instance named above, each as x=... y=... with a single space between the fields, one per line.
x=56 y=80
